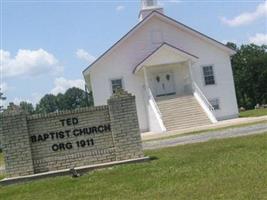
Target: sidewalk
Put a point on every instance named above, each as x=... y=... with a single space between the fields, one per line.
x=222 y=124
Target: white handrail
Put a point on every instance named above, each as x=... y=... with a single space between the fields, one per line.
x=154 y=115
x=197 y=89
x=151 y=97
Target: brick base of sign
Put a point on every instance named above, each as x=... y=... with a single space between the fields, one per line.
x=65 y=172
x=41 y=143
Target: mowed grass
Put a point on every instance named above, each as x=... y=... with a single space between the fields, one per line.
x=254 y=113
x=1 y=164
x=1 y=159
x=233 y=168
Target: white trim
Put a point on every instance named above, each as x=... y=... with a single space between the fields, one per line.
x=205 y=108
x=113 y=79
x=164 y=71
x=180 y=52
x=214 y=75
x=167 y=20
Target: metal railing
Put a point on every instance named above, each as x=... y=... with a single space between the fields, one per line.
x=198 y=90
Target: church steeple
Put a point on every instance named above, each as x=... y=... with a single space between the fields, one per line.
x=147 y=6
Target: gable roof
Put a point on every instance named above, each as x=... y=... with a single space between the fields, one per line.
x=164 y=17
x=170 y=47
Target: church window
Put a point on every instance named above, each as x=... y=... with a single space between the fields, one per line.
x=116 y=84
x=208 y=74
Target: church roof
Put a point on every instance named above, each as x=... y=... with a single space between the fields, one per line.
x=165 y=46
x=164 y=17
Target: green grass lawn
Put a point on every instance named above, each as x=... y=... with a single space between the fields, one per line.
x=1 y=159
x=221 y=169
x=254 y=113
x=1 y=163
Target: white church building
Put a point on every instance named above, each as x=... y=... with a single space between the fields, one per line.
x=181 y=78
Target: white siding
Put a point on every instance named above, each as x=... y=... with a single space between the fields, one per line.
x=122 y=60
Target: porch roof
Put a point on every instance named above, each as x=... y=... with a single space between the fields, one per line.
x=165 y=54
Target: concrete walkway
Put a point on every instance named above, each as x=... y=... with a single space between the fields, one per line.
x=203 y=137
x=221 y=124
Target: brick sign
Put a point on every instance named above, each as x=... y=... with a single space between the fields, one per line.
x=48 y=142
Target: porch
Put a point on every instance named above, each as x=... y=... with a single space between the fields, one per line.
x=173 y=98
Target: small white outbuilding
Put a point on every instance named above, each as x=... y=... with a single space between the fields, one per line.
x=181 y=78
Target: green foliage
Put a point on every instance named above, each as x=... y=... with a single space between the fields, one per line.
x=223 y=169
x=73 y=98
x=47 y=104
x=28 y=107
x=250 y=74
x=232 y=45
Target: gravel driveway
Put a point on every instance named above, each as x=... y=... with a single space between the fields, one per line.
x=203 y=137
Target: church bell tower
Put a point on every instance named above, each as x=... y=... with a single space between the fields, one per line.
x=148 y=6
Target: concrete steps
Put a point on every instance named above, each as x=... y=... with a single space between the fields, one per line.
x=182 y=112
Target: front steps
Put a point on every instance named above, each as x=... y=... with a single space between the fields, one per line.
x=181 y=112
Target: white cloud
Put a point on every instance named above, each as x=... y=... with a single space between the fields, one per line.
x=3 y=87
x=33 y=99
x=258 y=39
x=36 y=97
x=120 y=8
x=84 y=55
x=62 y=84
x=247 y=17
x=29 y=63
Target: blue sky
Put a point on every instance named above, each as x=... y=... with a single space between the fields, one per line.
x=46 y=45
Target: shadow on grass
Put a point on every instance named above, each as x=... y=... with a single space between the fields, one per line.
x=152 y=158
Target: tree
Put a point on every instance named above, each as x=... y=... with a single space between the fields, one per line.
x=250 y=74
x=61 y=102
x=89 y=98
x=28 y=107
x=47 y=104
x=232 y=46
x=75 y=98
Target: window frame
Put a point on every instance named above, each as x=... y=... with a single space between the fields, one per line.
x=217 y=100
x=114 y=79
x=203 y=75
